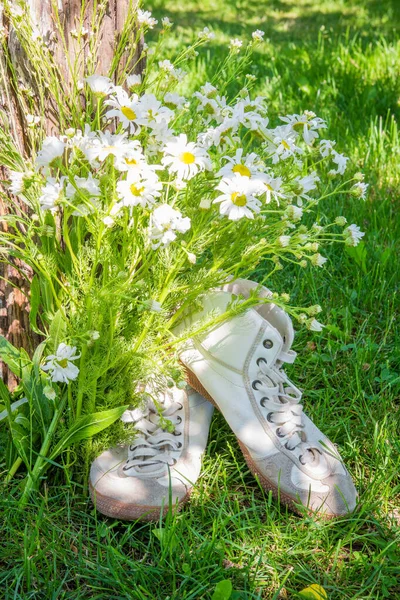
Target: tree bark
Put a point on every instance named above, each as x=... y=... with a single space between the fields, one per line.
x=14 y=280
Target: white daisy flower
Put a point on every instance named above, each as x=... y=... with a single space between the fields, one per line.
x=206 y=34
x=61 y=369
x=165 y=221
x=108 y=144
x=258 y=35
x=131 y=159
x=271 y=187
x=50 y=195
x=238 y=197
x=326 y=147
x=284 y=241
x=17 y=182
x=341 y=161
x=133 y=80
x=151 y=112
x=284 y=140
x=246 y=166
x=303 y=185
x=52 y=148
x=353 y=235
x=308 y=124
x=185 y=158
x=100 y=85
x=139 y=191
x=235 y=45
x=318 y=260
x=359 y=190
x=174 y=99
x=314 y=325
x=88 y=184
x=144 y=18
x=125 y=108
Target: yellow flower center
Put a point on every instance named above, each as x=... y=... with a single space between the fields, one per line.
x=128 y=113
x=271 y=189
x=299 y=125
x=285 y=145
x=187 y=157
x=135 y=191
x=242 y=169
x=239 y=199
x=63 y=363
x=131 y=161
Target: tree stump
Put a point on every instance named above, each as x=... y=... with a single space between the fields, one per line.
x=56 y=23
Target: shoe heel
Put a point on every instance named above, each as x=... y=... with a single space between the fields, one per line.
x=196 y=385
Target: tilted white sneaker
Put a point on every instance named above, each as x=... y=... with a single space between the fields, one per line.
x=161 y=464
x=237 y=366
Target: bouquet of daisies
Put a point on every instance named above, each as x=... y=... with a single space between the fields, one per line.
x=145 y=201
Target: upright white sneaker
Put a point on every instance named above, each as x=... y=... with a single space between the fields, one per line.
x=161 y=465
x=238 y=367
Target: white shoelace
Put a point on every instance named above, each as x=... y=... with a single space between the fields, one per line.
x=281 y=401
x=155 y=447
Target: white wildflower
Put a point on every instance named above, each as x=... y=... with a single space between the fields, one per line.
x=258 y=35
x=133 y=80
x=100 y=85
x=284 y=241
x=235 y=45
x=52 y=148
x=60 y=365
x=314 y=325
x=185 y=158
x=353 y=235
x=144 y=18
x=125 y=108
x=238 y=198
x=206 y=34
x=165 y=221
x=359 y=190
x=50 y=195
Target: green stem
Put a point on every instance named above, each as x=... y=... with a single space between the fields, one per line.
x=41 y=462
x=13 y=469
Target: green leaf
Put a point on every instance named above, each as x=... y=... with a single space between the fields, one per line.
x=34 y=303
x=359 y=255
x=314 y=592
x=223 y=590
x=165 y=537
x=11 y=357
x=86 y=427
x=57 y=331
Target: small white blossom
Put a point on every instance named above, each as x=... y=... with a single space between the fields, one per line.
x=318 y=260
x=100 y=85
x=314 y=325
x=258 y=35
x=284 y=241
x=238 y=198
x=133 y=80
x=50 y=195
x=206 y=34
x=235 y=45
x=359 y=190
x=353 y=235
x=144 y=18
x=185 y=158
x=165 y=221
x=166 y=23
x=59 y=365
x=52 y=148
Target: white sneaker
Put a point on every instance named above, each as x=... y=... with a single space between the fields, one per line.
x=237 y=366
x=159 y=468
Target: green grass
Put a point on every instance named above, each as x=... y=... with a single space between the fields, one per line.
x=340 y=59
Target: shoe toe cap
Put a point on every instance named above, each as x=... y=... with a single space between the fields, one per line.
x=130 y=497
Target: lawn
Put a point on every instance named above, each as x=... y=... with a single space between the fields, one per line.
x=339 y=58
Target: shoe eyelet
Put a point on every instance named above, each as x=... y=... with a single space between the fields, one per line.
x=177 y=433
x=278 y=433
x=268 y=344
x=287 y=447
x=263 y=400
x=269 y=417
x=180 y=406
x=300 y=457
x=179 y=445
x=254 y=384
x=179 y=420
x=260 y=360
